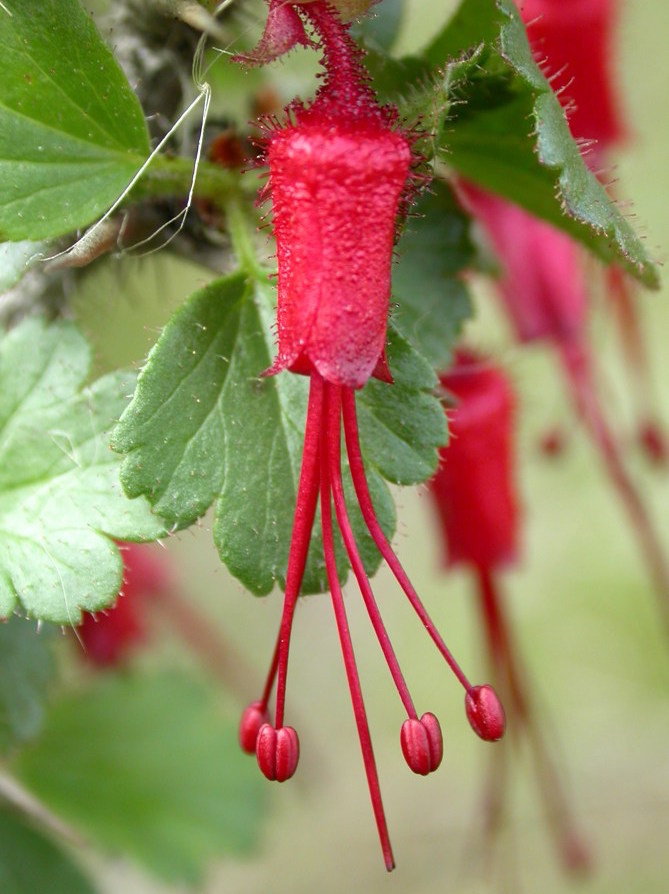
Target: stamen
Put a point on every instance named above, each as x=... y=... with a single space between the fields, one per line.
x=333 y=424
x=254 y=716
x=277 y=751
x=422 y=744
x=369 y=515
x=349 y=660
x=305 y=510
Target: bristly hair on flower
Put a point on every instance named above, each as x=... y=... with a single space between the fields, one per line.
x=340 y=175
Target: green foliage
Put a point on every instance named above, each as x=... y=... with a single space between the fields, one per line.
x=31 y=864
x=382 y=24
x=433 y=302
x=148 y=766
x=205 y=426
x=60 y=498
x=14 y=261
x=491 y=116
x=508 y=133
x=72 y=132
x=26 y=669
x=403 y=426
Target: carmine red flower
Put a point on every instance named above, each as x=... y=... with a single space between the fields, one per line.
x=573 y=42
x=340 y=172
x=545 y=293
x=475 y=497
x=109 y=636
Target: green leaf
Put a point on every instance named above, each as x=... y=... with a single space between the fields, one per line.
x=156 y=769
x=15 y=258
x=507 y=132
x=26 y=669
x=205 y=427
x=72 y=133
x=31 y=863
x=60 y=497
x=402 y=426
x=382 y=24
x=432 y=301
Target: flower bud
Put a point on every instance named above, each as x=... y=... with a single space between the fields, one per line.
x=277 y=751
x=254 y=716
x=422 y=743
x=485 y=713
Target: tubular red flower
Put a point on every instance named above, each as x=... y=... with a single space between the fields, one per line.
x=542 y=281
x=544 y=291
x=337 y=166
x=108 y=637
x=475 y=495
x=573 y=40
x=474 y=488
x=339 y=176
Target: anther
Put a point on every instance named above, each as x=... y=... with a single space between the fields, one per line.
x=422 y=743
x=485 y=713
x=277 y=751
x=254 y=716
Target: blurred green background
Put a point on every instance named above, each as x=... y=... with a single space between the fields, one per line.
x=586 y=620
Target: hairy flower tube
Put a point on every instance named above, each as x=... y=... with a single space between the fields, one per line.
x=340 y=173
x=475 y=498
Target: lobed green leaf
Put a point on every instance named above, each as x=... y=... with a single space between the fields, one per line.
x=432 y=301
x=72 y=133
x=402 y=426
x=205 y=427
x=15 y=260
x=60 y=497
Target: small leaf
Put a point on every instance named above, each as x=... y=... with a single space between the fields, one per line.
x=432 y=301
x=494 y=119
x=157 y=772
x=402 y=426
x=60 y=498
x=72 y=133
x=204 y=427
x=26 y=669
x=31 y=863
x=15 y=258
x=382 y=24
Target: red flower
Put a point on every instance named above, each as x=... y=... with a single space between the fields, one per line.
x=339 y=174
x=109 y=636
x=544 y=291
x=473 y=488
x=542 y=282
x=572 y=39
x=475 y=496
